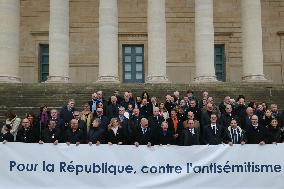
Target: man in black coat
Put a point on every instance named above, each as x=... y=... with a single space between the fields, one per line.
x=51 y=134
x=5 y=135
x=256 y=133
x=212 y=133
x=156 y=120
x=126 y=125
x=103 y=119
x=143 y=134
x=136 y=117
x=74 y=135
x=67 y=111
x=195 y=109
x=146 y=108
x=227 y=117
x=112 y=108
x=54 y=117
x=164 y=136
x=189 y=135
x=26 y=133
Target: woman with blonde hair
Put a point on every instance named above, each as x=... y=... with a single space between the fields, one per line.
x=114 y=132
x=87 y=116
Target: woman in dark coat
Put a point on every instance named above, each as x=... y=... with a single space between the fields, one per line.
x=273 y=133
x=114 y=132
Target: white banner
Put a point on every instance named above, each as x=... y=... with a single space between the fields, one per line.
x=35 y=166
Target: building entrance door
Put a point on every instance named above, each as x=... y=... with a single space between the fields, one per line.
x=133 y=63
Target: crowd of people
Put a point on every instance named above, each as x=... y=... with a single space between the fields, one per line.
x=145 y=120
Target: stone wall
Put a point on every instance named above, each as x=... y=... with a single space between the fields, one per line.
x=132 y=14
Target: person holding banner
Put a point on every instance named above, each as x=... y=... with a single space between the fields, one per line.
x=164 y=135
x=212 y=134
x=256 y=133
x=5 y=135
x=96 y=135
x=115 y=133
x=236 y=133
x=143 y=134
x=273 y=132
x=51 y=133
x=190 y=134
x=27 y=133
x=74 y=135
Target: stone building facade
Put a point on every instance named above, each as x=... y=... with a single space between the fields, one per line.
x=151 y=41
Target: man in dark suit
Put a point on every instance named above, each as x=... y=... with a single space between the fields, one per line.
x=143 y=134
x=146 y=109
x=51 y=134
x=54 y=117
x=164 y=136
x=136 y=117
x=67 y=111
x=27 y=134
x=126 y=125
x=156 y=120
x=112 y=108
x=212 y=133
x=195 y=109
x=74 y=135
x=103 y=119
x=256 y=133
x=190 y=134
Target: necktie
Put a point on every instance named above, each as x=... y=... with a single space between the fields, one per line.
x=235 y=137
x=214 y=129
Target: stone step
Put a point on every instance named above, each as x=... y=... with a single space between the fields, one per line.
x=23 y=98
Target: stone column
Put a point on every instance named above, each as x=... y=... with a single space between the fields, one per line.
x=108 y=42
x=157 y=42
x=9 y=41
x=59 y=42
x=204 y=41
x=252 y=41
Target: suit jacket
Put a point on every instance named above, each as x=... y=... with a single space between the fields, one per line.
x=255 y=136
x=67 y=115
x=50 y=136
x=29 y=135
x=115 y=139
x=112 y=111
x=164 y=138
x=187 y=138
x=104 y=122
x=143 y=138
x=74 y=137
x=136 y=120
x=212 y=138
x=127 y=129
x=147 y=110
x=155 y=123
x=7 y=136
x=96 y=134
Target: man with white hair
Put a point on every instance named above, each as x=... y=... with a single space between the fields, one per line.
x=143 y=134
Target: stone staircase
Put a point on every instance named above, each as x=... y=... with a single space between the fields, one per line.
x=23 y=98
